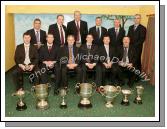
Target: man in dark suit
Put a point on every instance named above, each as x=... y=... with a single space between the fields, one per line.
x=26 y=58
x=48 y=57
x=116 y=34
x=78 y=28
x=109 y=62
x=98 y=32
x=137 y=34
x=59 y=31
x=89 y=59
x=127 y=60
x=38 y=36
x=69 y=60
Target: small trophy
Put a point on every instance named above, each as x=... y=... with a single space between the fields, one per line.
x=140 y=90
x=126 y=93
x=20 y=104
x=63 y=93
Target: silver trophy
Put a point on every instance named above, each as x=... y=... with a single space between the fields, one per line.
x=126 y=93
x=110 y=92
x=139 y=90
x=85 y=91
x=63 y=93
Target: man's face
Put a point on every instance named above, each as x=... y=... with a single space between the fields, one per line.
x=77 y=16
x=37 y=25
x=126 y=42
x=70 y=40
x=116 y=23
x=60 y=20
x=50 y=39
x=26 y=39
x=89 y=38
x=106 y=40
x=98 y=22
x=137 y=19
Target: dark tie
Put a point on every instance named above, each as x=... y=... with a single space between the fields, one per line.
x=98 y=32
x=116 y=33
x=78 y=31
x=61 y=35
x=70 y=56
x=49 y=48
x=125 y=54
x=37 y=36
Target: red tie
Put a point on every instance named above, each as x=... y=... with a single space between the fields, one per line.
x=61 y=35
x=78 y=31
x=49 y=48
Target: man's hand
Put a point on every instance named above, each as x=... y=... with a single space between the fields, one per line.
x=72 y=66
x=31 y=67
x=22 y=67
x=129 y=65
x=90 y=66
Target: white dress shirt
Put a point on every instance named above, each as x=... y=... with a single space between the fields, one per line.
x=107 y=51
x=27 y=58
x=38 y=33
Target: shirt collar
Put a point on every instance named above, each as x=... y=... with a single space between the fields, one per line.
x=49 y=45
x=26 y=45
x=36 y=30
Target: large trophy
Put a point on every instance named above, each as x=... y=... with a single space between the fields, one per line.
x=41 y=92
x=20 y=94
x=85 y=91
x=126 y=93
x=63 y=93
x=140 y=90
x=110 y=92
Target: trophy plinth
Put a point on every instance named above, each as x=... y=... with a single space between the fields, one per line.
x=126 y=94
x=42 y=105
x=110 y=92
x=138 y=99
x=85 y=91
x=63 y=93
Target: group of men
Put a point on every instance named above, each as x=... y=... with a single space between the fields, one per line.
x=74 y=48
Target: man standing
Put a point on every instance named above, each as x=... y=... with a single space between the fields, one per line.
x=38 y=36
x=98 y=32
x=59 y=31
x=78 y=28
x=137 y=34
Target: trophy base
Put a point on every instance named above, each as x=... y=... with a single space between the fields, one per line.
x=125 y=103
x=63 y=106
x=138 y=101
x=84 y=106
x=21 y=108
x=42 y=108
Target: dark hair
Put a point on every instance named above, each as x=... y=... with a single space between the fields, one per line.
x=70 y=35
x=50 y=34
x=127 y=37
x=60 y=15
x=98 y=18
x=37 y=19
x=89 y=34
x=26 y=33
x=106 y=36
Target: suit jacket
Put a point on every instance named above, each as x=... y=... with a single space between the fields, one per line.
x=65 y=53
x=97 y=40
x=33 y=36
x=131 y=54
x=20 y=54
x=53 y=29
x=102 y=52
x=138 y=36
x=72 y=29
x=84 y=52
x=116 y=41
x=45 y=55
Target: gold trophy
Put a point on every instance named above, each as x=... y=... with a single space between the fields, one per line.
x=41 y=92
x=85 y=91
x=110 y=92
x=140 y=90
x=126 y=93
x=63 y=93
x=20 y=104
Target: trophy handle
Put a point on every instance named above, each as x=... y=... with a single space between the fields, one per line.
x=33 y=91
x=94 y=86
x=77 y=88
x=101 y=88
x=119 y=89
x=49 y=88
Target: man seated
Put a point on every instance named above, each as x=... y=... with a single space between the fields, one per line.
x=26 y=58
x=69 y=61
x=48 y=57
x=89 y=59
x=127 y=57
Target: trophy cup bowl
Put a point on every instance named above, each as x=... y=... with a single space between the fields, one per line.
x=126 y=93
x=41 y=92
x=139 y=90
x=85 y=91
x=110 y=92
x=20 y=94
x=63 y=93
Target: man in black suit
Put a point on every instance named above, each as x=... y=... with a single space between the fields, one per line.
x=116 y=34
x=69 y=60
x=26 y=58
x=109 y=61
x=38 y=36
x=127 y=60
x=78 y=28
x=48 y=57
x=59 y=31
x=89 y=59
x=98 y=32
x=137 y=34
